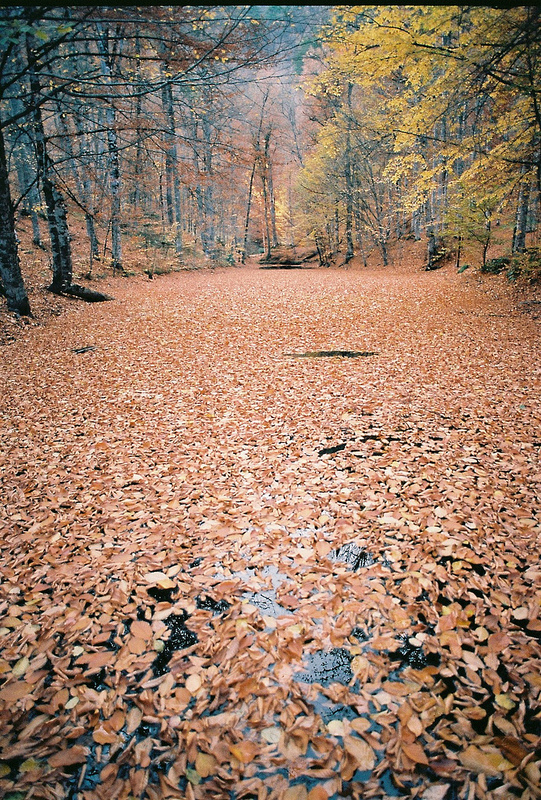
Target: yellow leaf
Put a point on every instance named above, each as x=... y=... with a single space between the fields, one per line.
x=244 y=751
x=504 y=701
x=29 y=765
x=20 y=667
x=490 y=763
x=5 y=769
x=336 y=727
x=296 y=629
x=205 y=764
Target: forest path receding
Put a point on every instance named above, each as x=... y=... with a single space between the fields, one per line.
x=231 y=571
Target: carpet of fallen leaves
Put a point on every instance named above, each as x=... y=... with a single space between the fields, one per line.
x=232 y=572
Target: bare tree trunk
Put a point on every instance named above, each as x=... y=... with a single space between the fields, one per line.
x=10 y=268
x=521 y=220
x=54 y=201
x=248 y=207
x=252 y=176
x=172 y=180
x=349 y=182
x=270 y=187
x=114 y=159
x=80 y=177
x=267 y=235
x=23 y=156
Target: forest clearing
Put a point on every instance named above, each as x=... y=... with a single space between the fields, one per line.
x=230 y=572
x=270 y=490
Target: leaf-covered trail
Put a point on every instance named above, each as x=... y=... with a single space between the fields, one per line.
x=181 y=463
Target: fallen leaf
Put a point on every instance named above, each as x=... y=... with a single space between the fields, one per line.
x=271 y=735
x=436 y=792
x=244 y=751
x=504 y=701
x=318 y=793
x=489 y=763
x=361 y=752
x=15 y=691
x=193 y=683
x=72 y=755
x=205 y=764
x=415 y=753
x=20 y=667
x=296 y=792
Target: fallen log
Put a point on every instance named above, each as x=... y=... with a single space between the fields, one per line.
x=81 y=292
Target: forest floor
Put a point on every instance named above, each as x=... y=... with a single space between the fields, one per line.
x=236 y=564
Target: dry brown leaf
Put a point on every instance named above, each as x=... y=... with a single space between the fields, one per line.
x=361 y=752
x=318 y=793
x=489 y=762
x=415 y=753
x=15 y=691
x=205 y=764
x=71 y=755
x=244 y=751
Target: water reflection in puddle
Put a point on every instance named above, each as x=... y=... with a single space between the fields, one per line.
x=351 y=554
x=326 y=667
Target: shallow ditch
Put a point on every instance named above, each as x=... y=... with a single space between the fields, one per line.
x=333 y=354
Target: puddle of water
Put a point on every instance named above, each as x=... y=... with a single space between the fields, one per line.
x=181 y=637
x=326 y=667
x=209 y=604
x=328 y=710
x=330 y=450
x=266 y=602
x=410 y=655
x=353 y=555
x=161 y=595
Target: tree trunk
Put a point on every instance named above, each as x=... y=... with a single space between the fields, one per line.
x=349 y=182
x=10 y=268
x=80 y=177
x=521 y=219
x=252 y=176
x=248 y=207
x=172 y=181
x=54 y=201
x=114 y=159
x=22 y=154
x=266 y=215
x=270 y=188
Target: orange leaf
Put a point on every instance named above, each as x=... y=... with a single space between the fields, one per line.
x=244 y=751
x=318 y=793
x=73 y=755
x=14 y=691
x=96 y=660
x=415 y=753
x=141 y=629
x=101 y=736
